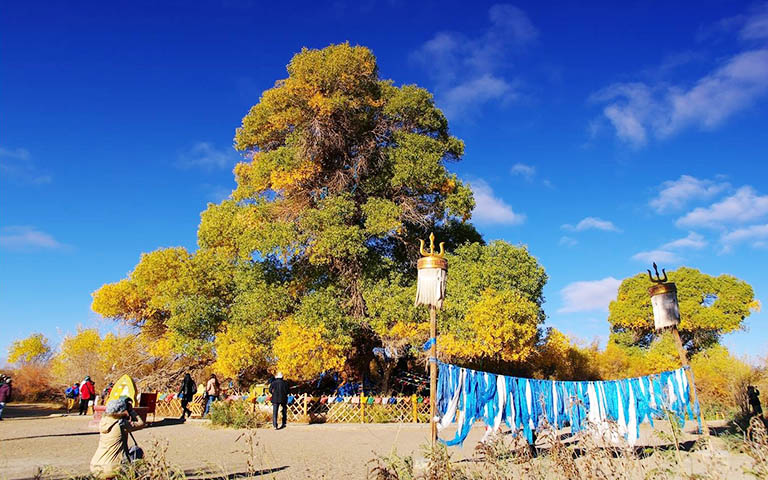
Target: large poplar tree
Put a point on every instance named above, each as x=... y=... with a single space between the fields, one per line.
x=310 y=263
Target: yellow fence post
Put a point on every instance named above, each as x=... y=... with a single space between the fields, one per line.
x=362 y=408
x=415 y=409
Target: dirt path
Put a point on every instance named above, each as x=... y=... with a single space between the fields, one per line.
x=66 y=443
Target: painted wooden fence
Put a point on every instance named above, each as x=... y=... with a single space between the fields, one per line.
x=308 y=409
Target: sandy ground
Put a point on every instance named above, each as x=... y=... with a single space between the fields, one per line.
x=32 y=437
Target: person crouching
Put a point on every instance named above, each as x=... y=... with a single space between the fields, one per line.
x=118 y=421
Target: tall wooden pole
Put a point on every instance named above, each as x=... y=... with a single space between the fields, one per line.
x=666 y=316
x=684 y=360
x=433 y=373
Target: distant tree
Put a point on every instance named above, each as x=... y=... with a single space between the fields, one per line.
x=32 y=350
x=709 y=307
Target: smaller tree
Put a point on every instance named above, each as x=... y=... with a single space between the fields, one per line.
x=709 y=307
x=31 y=350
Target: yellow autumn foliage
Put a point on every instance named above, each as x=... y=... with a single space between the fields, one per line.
x=305 y=352
x=502 y=326
x=561 y=358
x=240 y=349
x=33 y=349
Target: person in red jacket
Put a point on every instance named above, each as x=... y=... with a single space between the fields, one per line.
x=87 y=394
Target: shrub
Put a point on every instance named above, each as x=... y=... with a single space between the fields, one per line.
x=32 y=383
x=237 y=414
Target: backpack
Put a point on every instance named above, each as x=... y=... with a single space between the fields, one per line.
x=70 y=393
x=133 y=453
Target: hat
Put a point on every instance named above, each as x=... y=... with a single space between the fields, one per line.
x=87 y=377
x=279 y=375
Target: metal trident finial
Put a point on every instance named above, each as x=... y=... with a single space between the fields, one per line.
x=658 y=278
x=431 y=252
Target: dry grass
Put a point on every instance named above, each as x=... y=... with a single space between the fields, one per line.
x=590 y=456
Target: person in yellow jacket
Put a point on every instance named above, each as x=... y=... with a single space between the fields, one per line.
x=118 y=420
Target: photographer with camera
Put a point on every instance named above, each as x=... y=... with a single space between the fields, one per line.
x=118 y=422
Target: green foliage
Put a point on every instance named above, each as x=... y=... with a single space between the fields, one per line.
x=709 y=307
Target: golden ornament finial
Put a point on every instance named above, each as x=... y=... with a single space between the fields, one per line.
x=431 y=252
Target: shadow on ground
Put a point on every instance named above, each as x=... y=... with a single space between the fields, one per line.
x=197 y=475
x=32 y=410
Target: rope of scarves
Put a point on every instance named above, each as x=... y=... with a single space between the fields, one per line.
x=465 y=395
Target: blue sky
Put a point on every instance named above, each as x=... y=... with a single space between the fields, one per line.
x=602 y=138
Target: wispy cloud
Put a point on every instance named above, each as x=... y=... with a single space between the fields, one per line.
x=523 y=170
x=755 y=235
x=17 y=165
x=591 y=223
x=587 y=296
x=658 y=256
x=216 y=193
x=693 y=240
x=490 y=209
x=567 y=241
x=27 y=238
x=743 y=206
x=638 y=110
x=676 y=194
x=671 y=252
x=205 y=155
x=471 y=71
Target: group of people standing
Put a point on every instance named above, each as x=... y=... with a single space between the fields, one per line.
x=187 y=392
x=278 y=389
x=83 y=393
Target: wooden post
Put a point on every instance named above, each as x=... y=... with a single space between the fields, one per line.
x=305 y=417
x=362 y=408
x=433 y=373
x=684 y=360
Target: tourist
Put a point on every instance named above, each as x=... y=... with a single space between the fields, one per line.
x=279 y=391
x=186 y=394
x=72 y=393
x=212 y=390
x=5 y=394
x=87 y=394
x=105 y=393
x=119 y=419
x=753 y=394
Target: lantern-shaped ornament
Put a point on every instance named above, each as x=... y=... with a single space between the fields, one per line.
x=666 y=310
x=433 y=268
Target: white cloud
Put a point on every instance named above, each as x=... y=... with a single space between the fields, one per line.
x=455 y=100
x=658 y=256
x=470 y=71
x=523 y=170
x=592 y=223
x=568 y=241
x=205 y=155
x=755 y=235
x=22 y=238
x=490 y=209
x=743 y=206
x=588 y=296
x=756 y=25
x=638 y=110
x=675 y=194
x=17 y=165
x=693 y=240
